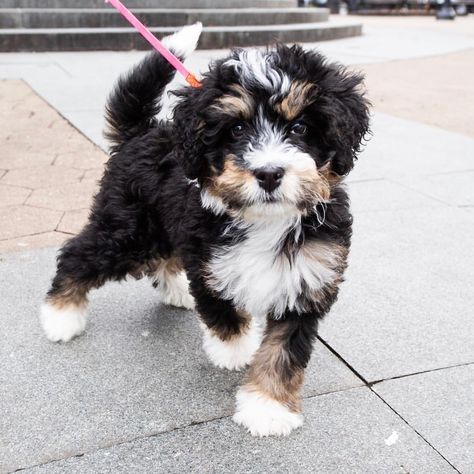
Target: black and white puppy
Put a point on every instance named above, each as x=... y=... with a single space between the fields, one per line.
x=239 y=199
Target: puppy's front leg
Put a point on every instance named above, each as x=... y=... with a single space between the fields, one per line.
x=269 y=403
x=231 y=337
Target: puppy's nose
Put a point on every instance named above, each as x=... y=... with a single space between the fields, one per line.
x=269 y=178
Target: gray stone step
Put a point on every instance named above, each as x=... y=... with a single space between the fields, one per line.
x=119 y=39
x=150 y=3
x=106 y=18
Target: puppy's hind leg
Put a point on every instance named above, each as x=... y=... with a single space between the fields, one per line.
x=87 y=261
x=172 y=284
x=63 y=313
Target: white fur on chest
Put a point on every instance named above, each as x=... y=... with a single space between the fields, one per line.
x=257 y=277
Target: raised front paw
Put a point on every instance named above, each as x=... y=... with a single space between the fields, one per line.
x=235 y=353
x=263 y=416
x=174 y=290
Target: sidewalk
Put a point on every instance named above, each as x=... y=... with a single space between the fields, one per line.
x=49 y=171
x=389 y=388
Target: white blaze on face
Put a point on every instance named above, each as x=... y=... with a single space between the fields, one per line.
x=273 y=151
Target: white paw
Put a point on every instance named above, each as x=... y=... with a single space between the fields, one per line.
x=174 y=290
x=263 y=416
x=185 y=300
x=236 y=353
x=62 y=324
x=184 y=42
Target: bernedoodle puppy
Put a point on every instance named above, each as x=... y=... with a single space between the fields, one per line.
x=236 y=207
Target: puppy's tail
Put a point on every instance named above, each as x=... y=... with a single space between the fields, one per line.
x=135 y=100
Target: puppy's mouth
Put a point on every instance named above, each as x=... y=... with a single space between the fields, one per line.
x=276 y=203
x=267 y=191
x=271 y=198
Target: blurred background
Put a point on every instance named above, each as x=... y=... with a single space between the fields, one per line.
x=85 y=25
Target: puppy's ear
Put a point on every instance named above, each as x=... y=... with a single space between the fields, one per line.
x=347 y=111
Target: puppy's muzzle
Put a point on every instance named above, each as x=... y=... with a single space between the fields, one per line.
x=269 y=178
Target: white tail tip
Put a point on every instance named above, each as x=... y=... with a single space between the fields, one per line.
x=184 y=42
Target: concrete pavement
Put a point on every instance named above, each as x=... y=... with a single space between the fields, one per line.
x=389 y=388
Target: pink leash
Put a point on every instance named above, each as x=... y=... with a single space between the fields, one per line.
x=158 y=45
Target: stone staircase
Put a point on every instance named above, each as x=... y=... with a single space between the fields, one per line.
x=86 y=25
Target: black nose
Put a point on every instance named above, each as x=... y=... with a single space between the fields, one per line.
x=269 y=178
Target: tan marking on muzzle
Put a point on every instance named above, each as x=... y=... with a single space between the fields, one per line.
x=230 y=182
x=332 y=178
x=313 y=183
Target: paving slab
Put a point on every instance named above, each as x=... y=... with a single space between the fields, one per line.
x=19 y=157
x=13 y=195
x=87 y=159
x=65 y=196
x=395 y=88
x=345 y=432
x=440 y=406
x=72 y=222
x=401 y=149
x=18 y=221
x=91 y=123
x=35 y=241
x=454 y=188
x=406 y=305
x=383 y=194
x=42 y=176
x=392 y=38
x=139 y=370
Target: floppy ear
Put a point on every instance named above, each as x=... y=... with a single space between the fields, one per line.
x=347 y=111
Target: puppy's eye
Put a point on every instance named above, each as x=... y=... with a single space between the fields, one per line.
x=298 y=129
x=237 y=130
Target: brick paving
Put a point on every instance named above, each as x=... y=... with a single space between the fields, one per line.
x=48 y=171
x=435 y=90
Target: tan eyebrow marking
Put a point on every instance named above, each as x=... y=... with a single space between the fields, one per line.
x=239 y=105
x=300 y=95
